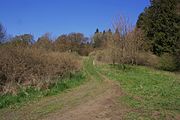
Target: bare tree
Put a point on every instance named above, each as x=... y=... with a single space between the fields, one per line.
x=119 y=45
x=135 y=45
x=127 y=41
x=23 y=40
x=2 y=33
x=44 y=42
x=112 y=41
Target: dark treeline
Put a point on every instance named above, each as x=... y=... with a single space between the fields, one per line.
x=160 y=23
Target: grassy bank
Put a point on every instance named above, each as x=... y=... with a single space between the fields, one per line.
x=91 y=70
x=150 y=93
x=32 y=94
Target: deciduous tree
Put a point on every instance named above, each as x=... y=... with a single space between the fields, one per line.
x=2 y=33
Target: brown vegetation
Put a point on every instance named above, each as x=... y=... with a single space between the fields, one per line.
x=125 y=46
x=33 y=67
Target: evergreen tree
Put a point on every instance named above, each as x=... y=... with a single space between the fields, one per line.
x=97 y=31
x=98 y=39
x=161 y=24
x=109 y=31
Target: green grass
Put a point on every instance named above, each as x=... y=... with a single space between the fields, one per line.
x=147 y=91
x=91 y=70
x=31 y=93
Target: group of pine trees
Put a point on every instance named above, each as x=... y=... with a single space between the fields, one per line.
x=160 y=23
x=100 y=39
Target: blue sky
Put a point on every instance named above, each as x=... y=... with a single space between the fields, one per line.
x=64 y=16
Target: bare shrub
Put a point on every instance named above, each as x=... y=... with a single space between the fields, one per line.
x=31 y=66
x=44 y=42
x=126 y=46
x=147 y=59
x=101 y=56
x=127 y=42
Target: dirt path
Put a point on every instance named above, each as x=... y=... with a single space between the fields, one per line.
x=104 y=106
x=94 y=100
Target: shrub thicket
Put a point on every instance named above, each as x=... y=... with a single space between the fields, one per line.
x=26 y=66
x=167 y=62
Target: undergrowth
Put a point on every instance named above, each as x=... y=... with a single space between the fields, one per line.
x=31 y=93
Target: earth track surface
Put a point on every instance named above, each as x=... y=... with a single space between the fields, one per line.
x=96 y=99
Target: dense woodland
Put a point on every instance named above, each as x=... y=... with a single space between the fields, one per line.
x=153 y=42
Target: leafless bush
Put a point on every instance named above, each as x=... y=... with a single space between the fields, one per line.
x=101 y=56
x=127 y=42
x=147 y=59
x=32 y=66
x=126 y=46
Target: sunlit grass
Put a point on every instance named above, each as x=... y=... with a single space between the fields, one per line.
x=23 y=96
x=147 y=90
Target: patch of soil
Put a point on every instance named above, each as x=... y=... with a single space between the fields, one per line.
x=102 y=107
